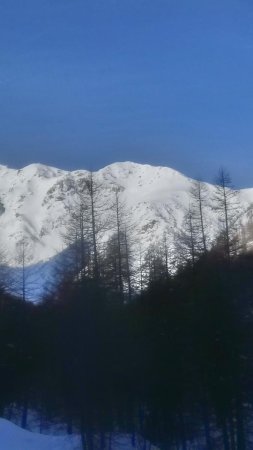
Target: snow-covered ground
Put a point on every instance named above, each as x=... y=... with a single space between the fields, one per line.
x=13 y=437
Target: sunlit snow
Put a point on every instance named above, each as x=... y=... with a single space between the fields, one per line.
x=35 y=200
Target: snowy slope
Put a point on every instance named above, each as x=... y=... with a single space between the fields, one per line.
x=35 y=200
x=13 y=437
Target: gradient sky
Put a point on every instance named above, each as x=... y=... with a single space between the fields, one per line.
x=84 y=83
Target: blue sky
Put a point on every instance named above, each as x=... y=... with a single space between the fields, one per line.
x=84 y=83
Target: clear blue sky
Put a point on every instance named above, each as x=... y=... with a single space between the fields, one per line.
x=84 y=83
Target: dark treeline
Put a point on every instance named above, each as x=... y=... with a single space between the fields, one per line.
x=174 y=364
x=158 y=349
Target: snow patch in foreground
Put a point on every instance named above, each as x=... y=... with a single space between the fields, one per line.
x=14 y=438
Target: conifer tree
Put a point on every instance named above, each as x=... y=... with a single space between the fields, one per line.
x=199 y=205
x=117 y=261
x=186 y=240
x=226 y=205
x=85 y=227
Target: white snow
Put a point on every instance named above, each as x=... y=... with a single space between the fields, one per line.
x=36 y=199
x=13 y=437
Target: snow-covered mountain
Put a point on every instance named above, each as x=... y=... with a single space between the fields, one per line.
x=34 y=204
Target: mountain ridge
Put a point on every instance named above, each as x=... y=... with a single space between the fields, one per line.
x=36 y=197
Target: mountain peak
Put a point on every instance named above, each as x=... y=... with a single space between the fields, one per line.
x=35 y=202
